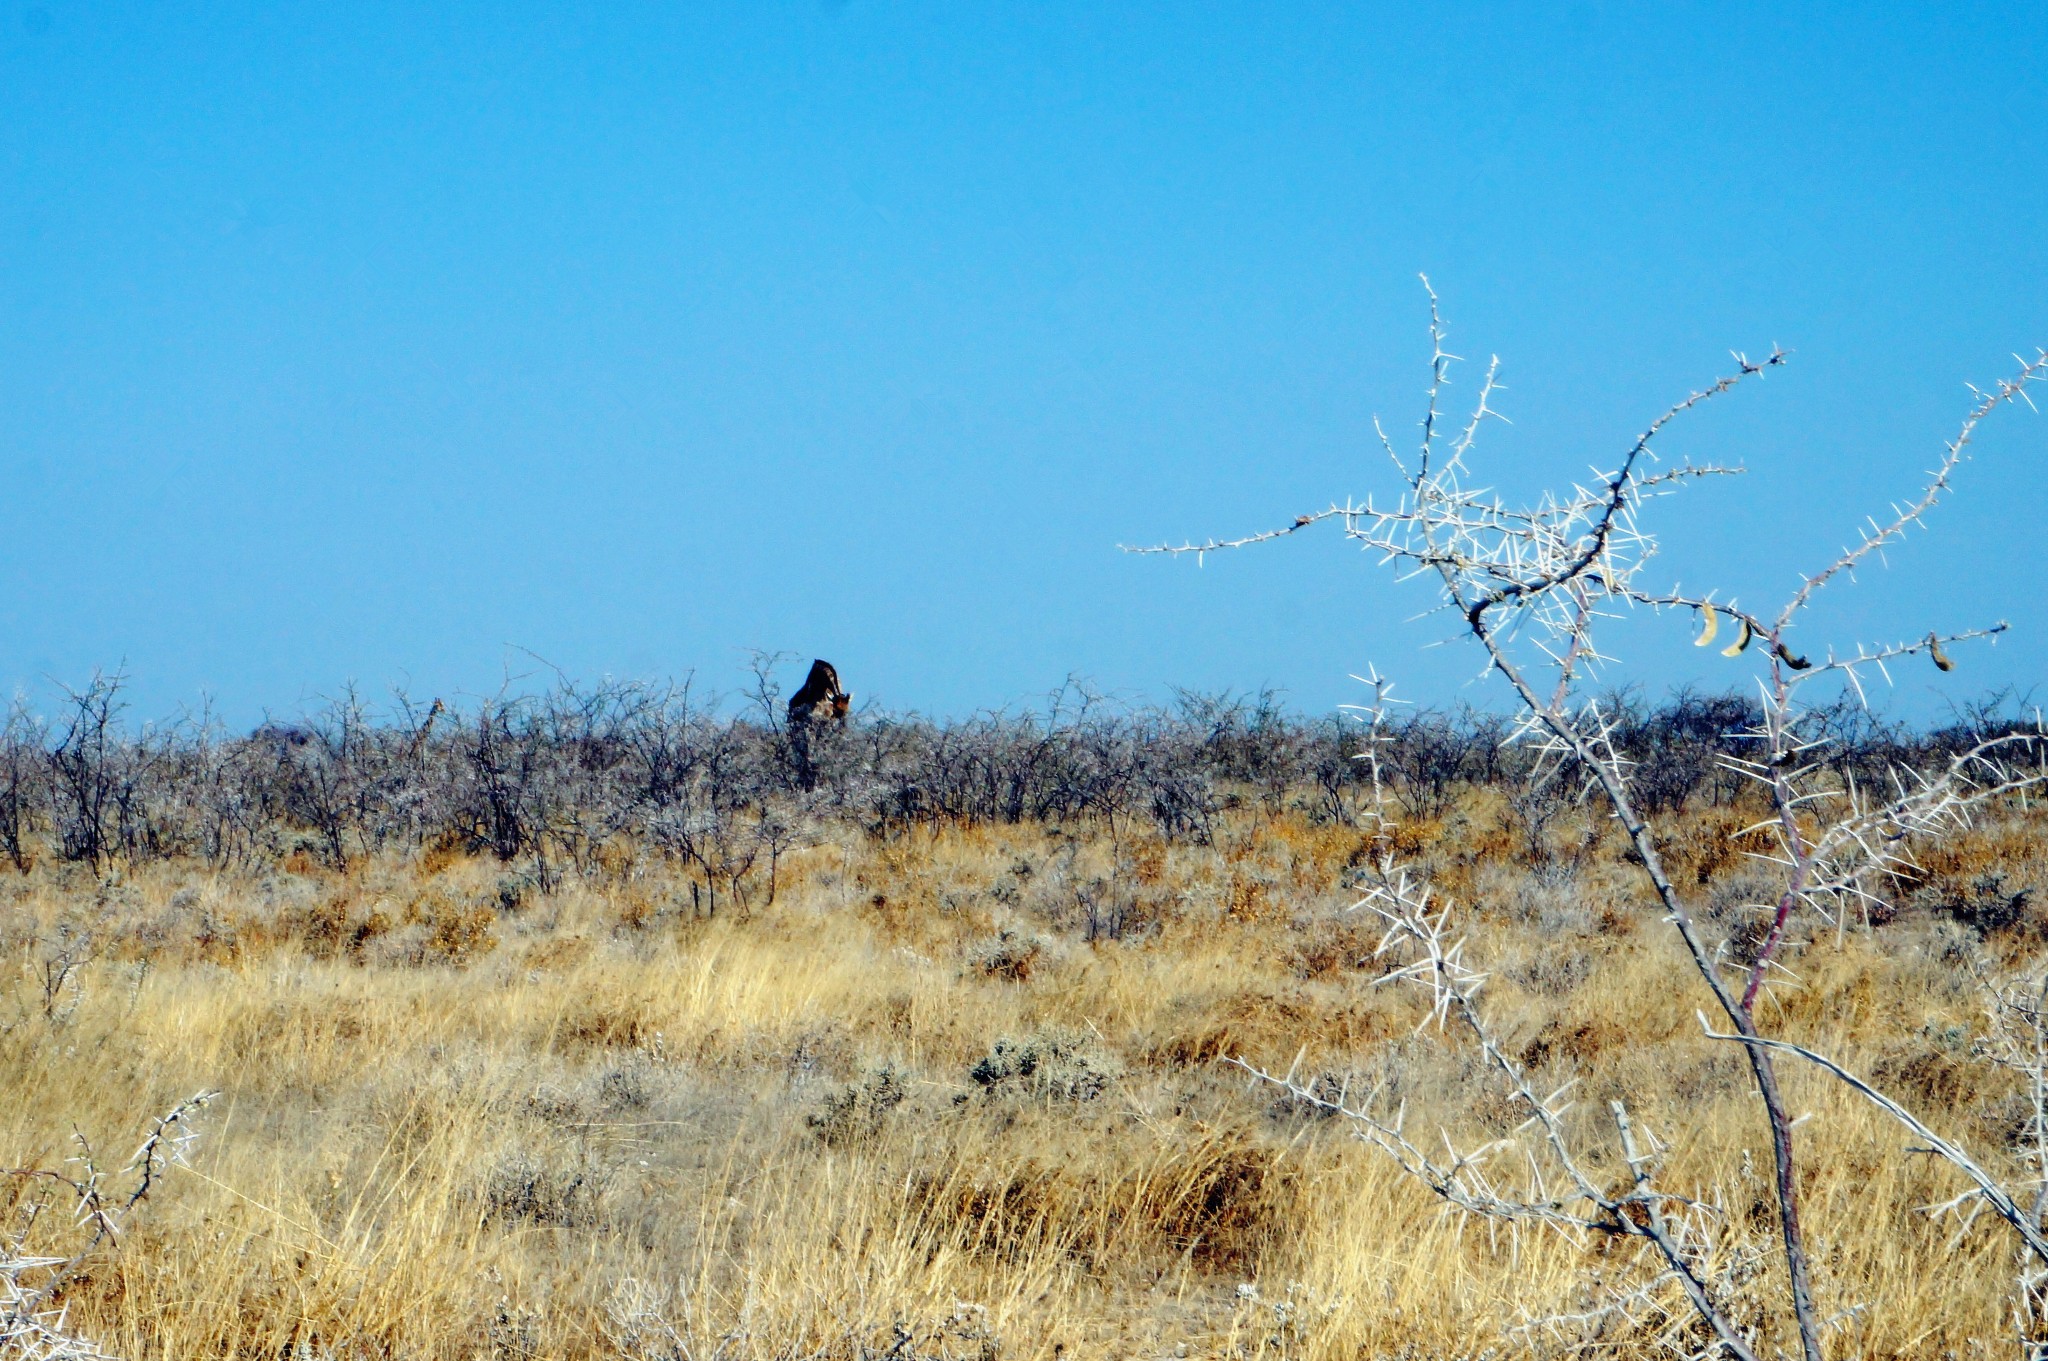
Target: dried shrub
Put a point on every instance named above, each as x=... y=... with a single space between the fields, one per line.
x=1057 y=1064
x=454 y=932
x=1226 y=1207
x=1986 y=903
x=525 y=1191
x=599 y=1024
x=1329 y=947
x=1009 y=954
x=858 y=1111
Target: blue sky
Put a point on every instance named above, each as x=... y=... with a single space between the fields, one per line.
x=373 y=343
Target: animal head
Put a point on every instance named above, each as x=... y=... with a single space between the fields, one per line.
x=821 y=691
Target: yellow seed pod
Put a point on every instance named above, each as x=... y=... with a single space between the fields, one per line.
x=1741 y=643
x=1713 y=627
x=1941 y=659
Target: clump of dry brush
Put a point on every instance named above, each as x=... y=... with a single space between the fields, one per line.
x=1532 y=588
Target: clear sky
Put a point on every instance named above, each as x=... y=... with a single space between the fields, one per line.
x=377 y=342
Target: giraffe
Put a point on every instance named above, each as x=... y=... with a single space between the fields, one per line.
x=419 y=739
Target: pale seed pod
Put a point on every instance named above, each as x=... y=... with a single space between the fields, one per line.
x=1741 y=643
x=1713 y=627
x=1941 y=659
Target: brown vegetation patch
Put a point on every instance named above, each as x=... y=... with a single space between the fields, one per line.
x=619 y=1023
x=1329 y=947
x=453 y=932
x=1580 y=1043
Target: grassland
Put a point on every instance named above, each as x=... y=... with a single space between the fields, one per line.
x=957 y=1091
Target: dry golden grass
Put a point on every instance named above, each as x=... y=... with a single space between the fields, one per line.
x=463 y=1119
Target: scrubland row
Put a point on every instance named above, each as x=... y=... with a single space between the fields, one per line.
x=557 y=779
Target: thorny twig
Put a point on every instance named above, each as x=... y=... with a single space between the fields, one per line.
x=32 y=1324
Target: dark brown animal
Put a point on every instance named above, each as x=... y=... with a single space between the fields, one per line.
x=821 y=697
